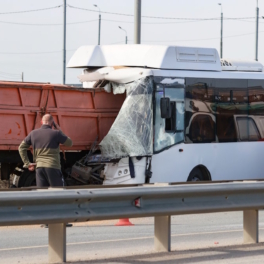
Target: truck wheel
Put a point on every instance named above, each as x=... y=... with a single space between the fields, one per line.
x=27 y=179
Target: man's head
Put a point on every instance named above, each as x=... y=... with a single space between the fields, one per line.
x=47 y=120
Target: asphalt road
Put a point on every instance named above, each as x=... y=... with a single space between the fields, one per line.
x=204 y=238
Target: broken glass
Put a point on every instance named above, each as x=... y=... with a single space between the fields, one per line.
x=131 y=133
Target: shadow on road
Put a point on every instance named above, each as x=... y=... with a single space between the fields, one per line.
x=227 y=254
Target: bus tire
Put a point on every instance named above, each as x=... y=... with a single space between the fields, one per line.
x=196 y=175
x=199 y=173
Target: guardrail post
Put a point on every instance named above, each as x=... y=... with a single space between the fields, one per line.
x=162 y=233
x=57 y=243
x=251 y=226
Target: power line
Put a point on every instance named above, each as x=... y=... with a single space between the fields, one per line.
x=109 y=20
x=81 y=22
x=27 y=11
x=174 y=18
x=232 y=36
x=190 y=20
x=182 y=22
x=242 y=20
x=159 y=23
x=87 y=21
x=112 y=13
x=55 y=24
x=161 y=41
x=29 y=53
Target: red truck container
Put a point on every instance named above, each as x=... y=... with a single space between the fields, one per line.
x=82 y=114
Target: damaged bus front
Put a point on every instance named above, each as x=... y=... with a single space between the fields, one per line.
x=126 y=151
x=150 y=120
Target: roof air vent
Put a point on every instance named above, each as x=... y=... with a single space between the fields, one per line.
x=200 y=55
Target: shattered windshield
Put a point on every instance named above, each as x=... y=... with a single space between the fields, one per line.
x=131 y=134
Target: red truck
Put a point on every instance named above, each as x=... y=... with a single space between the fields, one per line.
x=83 y=114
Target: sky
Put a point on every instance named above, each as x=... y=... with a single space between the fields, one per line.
x=32 y=42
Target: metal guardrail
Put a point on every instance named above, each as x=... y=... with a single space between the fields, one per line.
x=59 y=206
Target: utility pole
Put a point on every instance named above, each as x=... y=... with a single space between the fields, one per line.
x=64 y=43
x=137 y=22
x=22 y=77
x=221 y=33
x=99 y=29
x=257 y=24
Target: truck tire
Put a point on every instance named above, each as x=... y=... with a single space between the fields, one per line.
x=27 y=179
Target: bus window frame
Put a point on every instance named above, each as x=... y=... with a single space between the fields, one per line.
x=157 y=81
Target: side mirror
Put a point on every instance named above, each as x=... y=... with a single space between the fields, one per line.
x=165 y=107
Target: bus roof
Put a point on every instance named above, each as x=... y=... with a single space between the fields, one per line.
x=147 y=56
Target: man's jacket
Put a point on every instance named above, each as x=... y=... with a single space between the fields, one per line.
x=46 y=147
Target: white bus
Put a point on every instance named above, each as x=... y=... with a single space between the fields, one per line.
x=188 y=116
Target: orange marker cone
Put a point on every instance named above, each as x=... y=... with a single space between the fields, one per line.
x=124 y=222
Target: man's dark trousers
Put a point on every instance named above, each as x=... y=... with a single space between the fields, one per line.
x=46 y=177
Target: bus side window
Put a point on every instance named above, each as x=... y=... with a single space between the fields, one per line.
x=199 y=111
x=226 y=130
x=256 y=101
x=202 y=129
x=231 y=101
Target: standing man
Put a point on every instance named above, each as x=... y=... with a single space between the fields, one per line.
x=46 y=152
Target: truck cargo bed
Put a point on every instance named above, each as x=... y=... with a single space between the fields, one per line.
x=81 y=113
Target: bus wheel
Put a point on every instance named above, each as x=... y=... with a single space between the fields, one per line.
x=196 y=175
